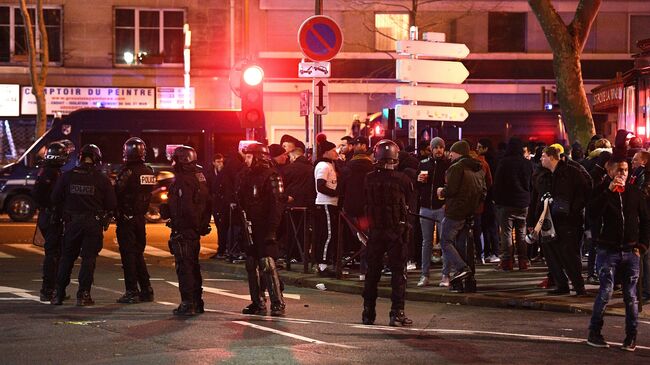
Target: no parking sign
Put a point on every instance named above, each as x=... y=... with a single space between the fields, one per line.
x=320 y=38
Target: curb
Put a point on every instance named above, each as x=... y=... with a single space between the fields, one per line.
x=297 y=278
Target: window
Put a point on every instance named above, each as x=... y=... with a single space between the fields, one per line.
x=390 y=28
x=13 y=40
x=639 y=29
x=160 y=145
x=149 y=36
x=506 y=32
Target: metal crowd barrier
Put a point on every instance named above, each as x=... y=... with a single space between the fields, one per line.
x=346 y=222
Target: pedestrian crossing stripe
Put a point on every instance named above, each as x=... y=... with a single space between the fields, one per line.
x=153 y=251
x=110 y=254
x=6 y=256
x=27 y=247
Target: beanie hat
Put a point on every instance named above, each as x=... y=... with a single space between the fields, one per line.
x=437 y=141
x=460 y=147
x=324 y=147
x=276 y=150
x=558 y=147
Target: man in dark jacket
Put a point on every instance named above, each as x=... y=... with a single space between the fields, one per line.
x=430 y=178
x=220 y=206
x=512 y=189
x=567 y=187
x=624 y=233
x=464 y=191
x=299 y=188
x=232 y=169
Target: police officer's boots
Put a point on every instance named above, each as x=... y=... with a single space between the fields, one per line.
x=369 y=315
x=146 y=294
x=186 y=308
x=58 y=296
x=129 y=297
x=47 y=295
x=257 y=306
x=267 y=264
x=84 y=299
x=397 y=317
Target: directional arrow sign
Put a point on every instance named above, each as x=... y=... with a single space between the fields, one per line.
x=440 y=72
x=433 y=49
x=321 y=96
x=431 y=94
x=426 y=112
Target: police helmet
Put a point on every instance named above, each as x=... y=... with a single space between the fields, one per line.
x=386 y=153
x=56 y=154
x=184 y=155
x=256 y=148
x=92 y=152
x=134 y=149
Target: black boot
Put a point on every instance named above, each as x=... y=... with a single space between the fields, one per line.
x=58 y=296
x=146 y=294
x=47 y=295
x=185 y=309
x=129 y=297
x=267 y=264
x=84 y=299
x=398 y=317
x=369 y=315
x=258 y=306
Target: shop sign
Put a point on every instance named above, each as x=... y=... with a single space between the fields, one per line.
x=174 y=98
x=9 y=100
x=607 y=97
x=66 y=99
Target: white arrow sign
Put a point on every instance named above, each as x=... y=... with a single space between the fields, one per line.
x=431 y=94
x=433 y=49
x=426 y=112
x=440 y=72
x=321 y=96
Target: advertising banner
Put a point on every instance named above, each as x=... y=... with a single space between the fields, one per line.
x=65 y=99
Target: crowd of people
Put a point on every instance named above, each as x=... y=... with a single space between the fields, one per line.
x=523 y=203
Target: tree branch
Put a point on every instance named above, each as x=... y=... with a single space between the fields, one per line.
x=45 y=49
x=554 y=28
x=583 y=20
x=31 y=46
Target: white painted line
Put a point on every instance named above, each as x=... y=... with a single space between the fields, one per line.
x=22 y=294
x=220 y=280
x=167 y=303
x=644 y=322
x=208 y=251
x=27 y=247
x=153 y=251
x=291 y=335
x=227 y=293
x=27 y=224
x=6 y=256
x=150 y=279
x=110 y=254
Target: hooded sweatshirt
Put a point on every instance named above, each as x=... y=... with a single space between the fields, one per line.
x=465 y=188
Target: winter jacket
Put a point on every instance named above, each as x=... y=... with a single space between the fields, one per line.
x=465 y=188
x=436 y=179
x=567 y=186
x=351 y=184
x=513 y=182
x=623 y=218
x=299 y=182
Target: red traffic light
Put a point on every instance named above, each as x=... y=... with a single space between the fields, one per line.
x=251 y=91
x=253 y=75
x=378 y=130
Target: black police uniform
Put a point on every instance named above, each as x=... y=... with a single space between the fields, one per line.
x=189 y=211
x=261 y=196
x=86 y=195
x=49 y=216
x=133 y=189
x=387 y=193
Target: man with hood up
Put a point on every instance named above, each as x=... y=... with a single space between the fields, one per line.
x=464 y=191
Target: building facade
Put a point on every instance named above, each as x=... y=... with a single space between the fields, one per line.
x=127 y=46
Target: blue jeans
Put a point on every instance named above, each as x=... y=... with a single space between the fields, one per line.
x=646 y=274
x=627 y=264
x=453 y=242
x=510 y=218
x=427 y=238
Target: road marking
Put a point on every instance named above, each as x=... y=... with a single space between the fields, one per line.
x=208 y=251
x=6 y=256
x=219 y=280
x=153 y=251
x=27 y=247
x=291 y=335
x=28 y=224
x=227 y=293
x=151 y=279
x=22 y=294
x=110 y=254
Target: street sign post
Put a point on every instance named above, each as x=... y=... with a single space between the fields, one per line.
x=314 y=69
x=431 y=94
x=440 y=50
x=441 y=72
x=321 y=96
x=320 y=38
x=431 y=112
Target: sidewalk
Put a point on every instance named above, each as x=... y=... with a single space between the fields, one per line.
x=516 y=289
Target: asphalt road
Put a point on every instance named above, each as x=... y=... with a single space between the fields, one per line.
x=321 y=327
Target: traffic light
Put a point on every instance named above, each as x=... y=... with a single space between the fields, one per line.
x=377 y=129
x=251 y=91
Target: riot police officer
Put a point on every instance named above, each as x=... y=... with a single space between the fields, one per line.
x=87 y=198
x=261 y=196
x=387 y=193
x=133 y=189
x=49 y=215
x=188 y=209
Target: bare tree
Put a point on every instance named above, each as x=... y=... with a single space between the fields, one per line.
x=38 y=76
x=567 y=43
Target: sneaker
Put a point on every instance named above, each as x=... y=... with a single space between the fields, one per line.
x=444 y=281
x=436 y=259
x=629 y=344
x=595 y=339
x=368 y=316
x=146 y=295
x=84 y=299
x=277 y=310
x=410 y=265
x=424 y=281
x=493 y=259
x=462 y=274
x=255 y=309
x=398 y=317
x=130 y=297
x=386 y=271
x=47 y=295
x=199 y=306
x=185 y=309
